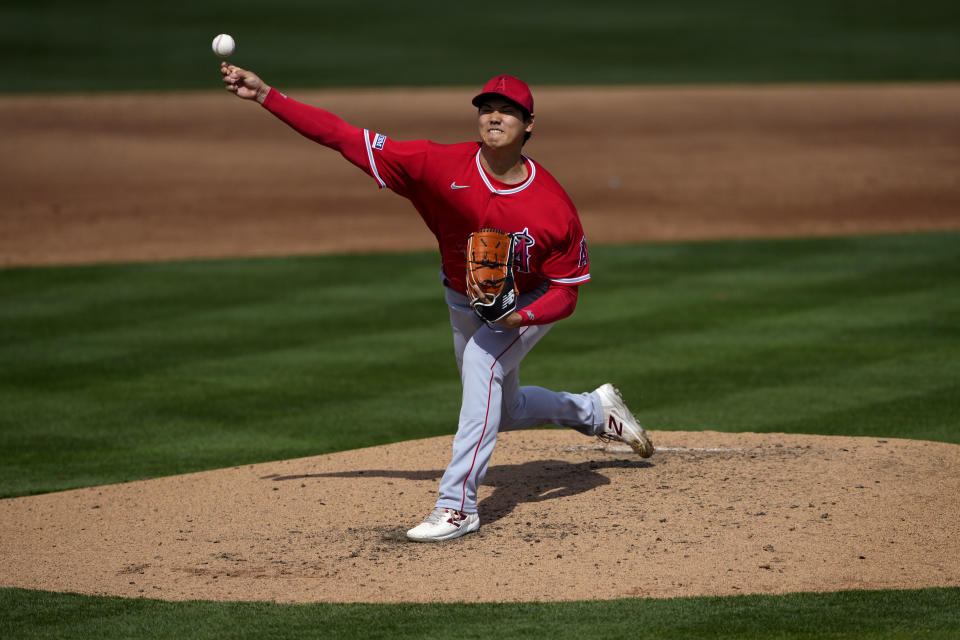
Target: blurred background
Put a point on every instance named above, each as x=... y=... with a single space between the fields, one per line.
x=112 y=45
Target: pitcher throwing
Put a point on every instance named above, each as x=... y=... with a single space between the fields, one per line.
x=459 y=189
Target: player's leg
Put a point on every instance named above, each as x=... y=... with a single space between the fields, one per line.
x=488 y=360
x=531 y=406
x=447 y=522
x=600 y=413
x=489 y=356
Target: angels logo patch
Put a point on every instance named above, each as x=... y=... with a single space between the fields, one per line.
x=524 y=242
x=584 y=256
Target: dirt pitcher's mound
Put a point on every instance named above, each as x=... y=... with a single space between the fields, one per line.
x=563 y=519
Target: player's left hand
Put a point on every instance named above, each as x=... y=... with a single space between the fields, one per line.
x=512 y=321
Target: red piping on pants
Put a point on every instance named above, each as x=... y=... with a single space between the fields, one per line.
x=486 y=417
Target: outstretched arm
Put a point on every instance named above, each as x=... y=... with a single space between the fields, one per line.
x=245 y=84
x=391 y=164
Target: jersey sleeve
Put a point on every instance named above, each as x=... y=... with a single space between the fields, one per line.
x=568 y=263
x=556 y=304
x=393 y=164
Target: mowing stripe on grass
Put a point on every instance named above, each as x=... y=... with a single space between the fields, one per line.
x=119 y=372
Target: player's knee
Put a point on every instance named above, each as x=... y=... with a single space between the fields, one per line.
x=513 y=409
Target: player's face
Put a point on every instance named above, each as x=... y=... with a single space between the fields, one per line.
x=502 y=123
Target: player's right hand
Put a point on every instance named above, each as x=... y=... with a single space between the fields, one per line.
x=245 y=84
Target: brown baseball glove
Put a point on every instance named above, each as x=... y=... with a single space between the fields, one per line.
x=490 y=268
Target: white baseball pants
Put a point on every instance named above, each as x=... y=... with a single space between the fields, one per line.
x=488 y=358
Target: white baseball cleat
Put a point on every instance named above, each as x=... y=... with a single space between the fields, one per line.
x=444 y=524
x=619 y=424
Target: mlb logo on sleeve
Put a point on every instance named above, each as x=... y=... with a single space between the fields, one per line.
x=379 y=141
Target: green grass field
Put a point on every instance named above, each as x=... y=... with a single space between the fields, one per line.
x=55 y=45
x=121 y=372
x=880 y=615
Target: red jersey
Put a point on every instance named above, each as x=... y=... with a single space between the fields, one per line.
x=455 y=196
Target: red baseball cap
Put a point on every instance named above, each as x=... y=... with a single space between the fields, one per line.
x=509 y=87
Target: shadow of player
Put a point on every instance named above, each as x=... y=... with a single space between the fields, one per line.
x=534 y=481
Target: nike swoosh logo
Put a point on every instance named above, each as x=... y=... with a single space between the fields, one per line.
x=454 y=185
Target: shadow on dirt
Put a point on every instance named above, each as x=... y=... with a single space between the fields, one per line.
x=512 y=484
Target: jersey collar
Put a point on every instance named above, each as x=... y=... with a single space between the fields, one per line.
x=505 y=192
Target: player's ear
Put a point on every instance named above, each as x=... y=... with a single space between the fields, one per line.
x=529 y=123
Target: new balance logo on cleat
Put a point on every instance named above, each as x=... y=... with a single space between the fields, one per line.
x=619 y=424
x=615 y=426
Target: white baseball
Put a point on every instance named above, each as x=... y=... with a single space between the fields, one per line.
x=223 y=45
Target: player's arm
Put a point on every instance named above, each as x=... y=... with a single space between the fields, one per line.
x=392 y=168
x=317 y=124
x=556 y=304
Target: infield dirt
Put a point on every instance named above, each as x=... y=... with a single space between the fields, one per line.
x=157 y=177
x=563 y=519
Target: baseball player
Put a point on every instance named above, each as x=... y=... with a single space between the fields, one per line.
x=459 y=189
